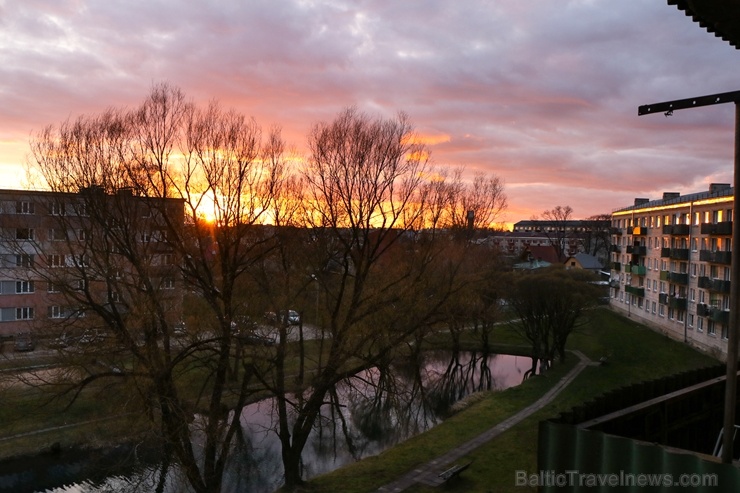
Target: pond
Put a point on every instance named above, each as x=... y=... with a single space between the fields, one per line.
x=372 y=412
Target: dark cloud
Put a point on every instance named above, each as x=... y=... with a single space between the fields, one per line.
x=542 y=93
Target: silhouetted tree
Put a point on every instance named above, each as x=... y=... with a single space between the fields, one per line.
x=548 y=304
x=169 y=198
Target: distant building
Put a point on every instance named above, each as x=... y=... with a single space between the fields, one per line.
x=584 y=261
x=52 y=252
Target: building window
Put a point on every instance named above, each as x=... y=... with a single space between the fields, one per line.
x=24 y=313
x=653 y=308
x=700 y=324
x=22 y=287
x=24 y=260
x=57 y=209
x=724 y=332
x=57 y=235
x=661 y=310
x=56 y=260
x=168 y=284
x=691 y=320
x=56 y=312
x=711 y=329
x=23 y=207
x=24 y=234
x=53 y=287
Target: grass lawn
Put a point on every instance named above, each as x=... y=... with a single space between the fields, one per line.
x=634 y=352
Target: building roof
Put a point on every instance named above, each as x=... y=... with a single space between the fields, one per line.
x=546 y=253
x=681 y=199
x=588 y=262
x=719 y=17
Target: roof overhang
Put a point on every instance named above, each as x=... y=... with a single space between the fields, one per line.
x=719 y=17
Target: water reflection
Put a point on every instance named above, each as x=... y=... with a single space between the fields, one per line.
x=365 y=415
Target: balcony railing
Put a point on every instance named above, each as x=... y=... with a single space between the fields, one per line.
x=715 y=285
x=678 y=278
x=680 y=253
x=663 y=298
x=639 y=231
x=616 y=231
x=637 y=249
x=715 y=257
x=615 y=248
x=719 y=315
x=665 y=252
x=635 y=290
x=677 y=303
x=616 y=266
x=664 y=275
x=676 y=229
x=718 y=229
x=639 y=270
x=703 y=310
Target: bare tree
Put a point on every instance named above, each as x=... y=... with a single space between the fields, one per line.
x=596 y=236
x=548 y=304
x=556 y=228
x=157 y=203
x=451 y=201
x=364 y=192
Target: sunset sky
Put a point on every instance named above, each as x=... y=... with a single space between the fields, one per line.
x=542 y=93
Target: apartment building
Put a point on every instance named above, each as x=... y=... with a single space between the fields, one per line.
x=63 y=253
x=670 y=265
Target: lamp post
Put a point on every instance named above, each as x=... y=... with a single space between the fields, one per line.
x=668 y=108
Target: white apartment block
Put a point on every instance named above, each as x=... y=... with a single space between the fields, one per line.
x=671 y=265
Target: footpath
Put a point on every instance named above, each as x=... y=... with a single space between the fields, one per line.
x=428 y=474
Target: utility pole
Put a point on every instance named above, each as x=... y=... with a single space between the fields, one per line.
x=667 y=108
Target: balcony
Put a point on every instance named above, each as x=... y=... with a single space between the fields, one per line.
x=677 y=303
x=715 y=285
x=664 y=275
x=635 y=290
x=680 y=253
x=637 y=249
x=639 y=231
x=663 y=298
x=616 y=231
x=720 y=316
x=639 y=270
x=616 y=266
x=614 y=284
x=615 y=248
x=717 y=229
x=665 y=252
x=715 y=257
x=676 y=277
x=676 y=229
x=703 y=310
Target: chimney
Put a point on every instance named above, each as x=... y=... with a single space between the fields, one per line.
x=640 y=201
x=716 y=187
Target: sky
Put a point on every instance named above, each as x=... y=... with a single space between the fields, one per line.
x=540 y=93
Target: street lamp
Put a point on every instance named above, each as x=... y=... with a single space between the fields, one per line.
x=667 y=108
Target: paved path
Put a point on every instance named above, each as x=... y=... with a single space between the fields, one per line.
x=428 y=473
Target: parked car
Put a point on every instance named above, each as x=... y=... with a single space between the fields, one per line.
x=93 y=336
x=63 y=341
x=293 y=317
x=180 y=330
x=24 y=342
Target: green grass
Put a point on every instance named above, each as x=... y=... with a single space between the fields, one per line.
x=634 y=352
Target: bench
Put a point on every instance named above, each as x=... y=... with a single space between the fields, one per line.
x=453 y=471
